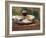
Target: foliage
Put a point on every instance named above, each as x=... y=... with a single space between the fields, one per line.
x=30 y=12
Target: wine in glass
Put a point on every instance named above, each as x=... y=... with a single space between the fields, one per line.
x=24 y=13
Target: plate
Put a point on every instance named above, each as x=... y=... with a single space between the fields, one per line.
x=23 y=22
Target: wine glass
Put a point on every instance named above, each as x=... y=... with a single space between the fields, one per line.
x=24 y=13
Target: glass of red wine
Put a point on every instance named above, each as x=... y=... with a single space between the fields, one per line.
x=24 y=13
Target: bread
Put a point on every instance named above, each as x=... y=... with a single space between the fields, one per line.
x=30 y=17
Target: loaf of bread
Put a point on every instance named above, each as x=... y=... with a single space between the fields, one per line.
x=30 y=17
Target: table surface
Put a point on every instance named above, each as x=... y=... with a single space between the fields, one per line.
x=33 y=26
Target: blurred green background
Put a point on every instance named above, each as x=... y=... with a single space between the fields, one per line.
x=31 y=11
